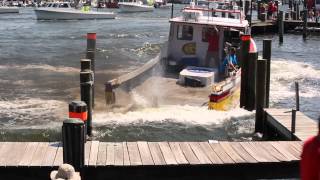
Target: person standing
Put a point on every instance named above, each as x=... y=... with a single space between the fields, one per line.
x=213 y=48
x=310 y=158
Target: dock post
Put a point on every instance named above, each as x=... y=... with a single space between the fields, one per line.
x=298 y=11
x=293 y=123
x=244 y=54
x=258 y=10
x=251 y=83
x=280 y=26
x=86 y=96
x=109 y=94
x=78 y=109
x=73 y=142
x=91 y=41
x=91 y=55
x=290 y=4
x=267 y=56
x=172 y=10
x=305 y=23
x=85 y=64
x=260 y=94
x=297 y=96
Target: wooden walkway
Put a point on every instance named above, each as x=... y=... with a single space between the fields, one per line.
x=152 y=153
x=281 y=120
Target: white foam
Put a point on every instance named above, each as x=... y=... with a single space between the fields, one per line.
x=60 y=69
x=177 y=113
x=32 y=113
x=283 y=75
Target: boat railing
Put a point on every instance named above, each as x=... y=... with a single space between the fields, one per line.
x=224 y=13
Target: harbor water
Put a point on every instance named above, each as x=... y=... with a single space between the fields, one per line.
x=39 y=76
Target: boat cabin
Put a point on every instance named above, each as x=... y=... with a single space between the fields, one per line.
x=201 y=36
x=59 y=5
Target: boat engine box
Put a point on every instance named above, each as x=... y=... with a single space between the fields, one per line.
x=197 y=76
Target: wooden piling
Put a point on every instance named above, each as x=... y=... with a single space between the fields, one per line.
x=244 y=55
x=251 y=82
x=298 y=11
x=91 y=55
x=267 y=56
x=73 y=142
x=260 y=94
x=86 y=96
x=85 y=64
x=172 y=10
x=91 y=41
x=305 y=23
x=280 y=26
x=78 y=109
x=293 y=123
x=297 y=96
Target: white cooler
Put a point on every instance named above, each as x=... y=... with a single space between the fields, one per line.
x=204 y=75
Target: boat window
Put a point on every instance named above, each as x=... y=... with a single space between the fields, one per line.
x=55 y=5
x=64 y=5
x=171 y=31
x=49 y=5
x=185 y=32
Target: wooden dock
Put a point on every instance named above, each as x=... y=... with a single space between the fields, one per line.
x=280 y=119
x=158 y=160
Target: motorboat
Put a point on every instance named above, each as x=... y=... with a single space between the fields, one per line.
x=64 y=11
x=9 y=9
x=189 y=57
x=135 y=6
x=162 y=4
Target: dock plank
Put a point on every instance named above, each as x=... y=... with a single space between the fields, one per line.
x=145 y=154
x=59 y=156
x=134 y=154
x=156 y=153
x=126 y=159
x=50 y=154
x=118 y=154
x=263 y=152
x=15 y=155
x=290 y=149
x=87 y=149
x=110 y=154
x=4 y=151
x=167 y=153
x=102 y=154
x=39 y=154
x=283 y=151
x=214 y=158
x=196 y=148
x=242 y=152
x=177 y=152
x=231 y=152
x=28 y=154
x=253 y=152
x=188 y=153
x=220 y=152
x=93 y=153
x=274 y=152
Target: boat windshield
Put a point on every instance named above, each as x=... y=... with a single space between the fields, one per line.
x=64 y=5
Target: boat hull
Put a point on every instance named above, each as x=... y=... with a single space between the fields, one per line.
x=49 y=14
x=134 y=8
x=9 y=10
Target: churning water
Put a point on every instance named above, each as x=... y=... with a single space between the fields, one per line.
x=39 y=76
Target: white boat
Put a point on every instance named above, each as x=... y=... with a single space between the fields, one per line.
x=162 y=4
x=64 y=11
x=199 y=42
x=7 y=9
x=137 y=6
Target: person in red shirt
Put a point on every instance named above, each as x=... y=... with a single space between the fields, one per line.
x=310 y=158
x=213 y=48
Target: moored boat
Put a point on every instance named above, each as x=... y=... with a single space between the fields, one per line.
x=64 y=11
x=8 y=9
x=200 y=42
x=135 y=6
